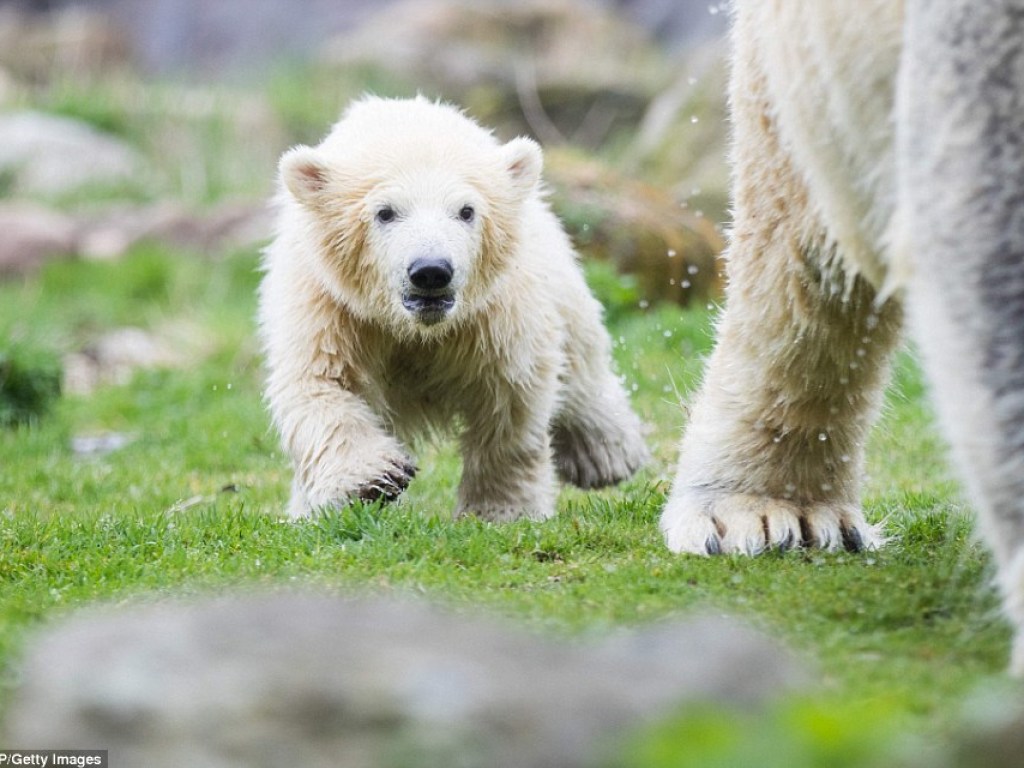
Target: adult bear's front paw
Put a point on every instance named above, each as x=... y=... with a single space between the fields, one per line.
x=707 y=522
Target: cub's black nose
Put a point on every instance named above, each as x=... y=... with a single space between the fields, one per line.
x=430 y=273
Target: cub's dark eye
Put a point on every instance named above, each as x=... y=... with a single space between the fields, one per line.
x=467 y=213
x=386 y=214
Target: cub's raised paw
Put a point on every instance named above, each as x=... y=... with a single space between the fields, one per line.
x=339 y=481
x=705 y=522
x=389 y=483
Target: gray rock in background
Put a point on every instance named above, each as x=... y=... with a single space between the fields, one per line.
x=229 y=36
x=316 y=681
x=31 y=236
x=48 y=155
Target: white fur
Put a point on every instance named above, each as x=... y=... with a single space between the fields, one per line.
x=520 y=362
x=877 y=160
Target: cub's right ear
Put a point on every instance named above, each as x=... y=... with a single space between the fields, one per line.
x=303 y=173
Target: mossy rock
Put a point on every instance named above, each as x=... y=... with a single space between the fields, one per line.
x=641 y=229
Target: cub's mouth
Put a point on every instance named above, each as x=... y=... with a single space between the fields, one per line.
x=428 y=308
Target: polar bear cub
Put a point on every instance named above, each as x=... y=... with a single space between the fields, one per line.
x=419 y=282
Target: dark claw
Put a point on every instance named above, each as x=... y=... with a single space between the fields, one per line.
x=713 y=546
x=390 y=486
x=378 y=491
x=806 y=539
x=787 y=544
x=852 y=540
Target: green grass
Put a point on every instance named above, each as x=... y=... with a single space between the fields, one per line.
x=193 y=504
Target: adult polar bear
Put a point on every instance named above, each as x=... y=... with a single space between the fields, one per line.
x=878 y=157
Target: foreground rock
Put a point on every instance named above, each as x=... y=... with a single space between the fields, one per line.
x=320 y=681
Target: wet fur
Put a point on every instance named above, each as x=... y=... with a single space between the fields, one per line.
x=878 y=152
x=354 y=380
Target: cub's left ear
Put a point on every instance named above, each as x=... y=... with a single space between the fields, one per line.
x=523 y=161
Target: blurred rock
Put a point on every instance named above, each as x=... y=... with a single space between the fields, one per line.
x=30 y=236
x=220 y=39
x=677 y=23
x=47 y=155
x=320 y=681
x=110 y=234
x=92 y=446
x=987 y=732
x=563 y=70
x=638 y=227
x=72 y=42
x=114 y=357
x=11 y=89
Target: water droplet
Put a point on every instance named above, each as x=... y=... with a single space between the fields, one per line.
x=694 y=119
x=861 y=352
x=667 y=334
x=643 y=304
x=822 y=436
x=671 y=253
x=685 y=284
x=871 y=322
x=845 y=458
x=826 y=487
x=693 y=269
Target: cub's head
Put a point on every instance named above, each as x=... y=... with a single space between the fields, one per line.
x=414 y=210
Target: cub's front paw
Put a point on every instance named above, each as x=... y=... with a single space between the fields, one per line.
x=392 y=478
x=342 y=479
x=707 y=522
